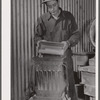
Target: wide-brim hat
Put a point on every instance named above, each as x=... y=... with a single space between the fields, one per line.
x=44 y=1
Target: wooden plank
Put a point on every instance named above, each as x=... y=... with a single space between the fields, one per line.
x=88 y=78
x=92 y=62
x=82 y=59
x=87 y=69
x=89 y=90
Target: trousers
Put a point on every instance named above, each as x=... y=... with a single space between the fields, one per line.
x=72 y=91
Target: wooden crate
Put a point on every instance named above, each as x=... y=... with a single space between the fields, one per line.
x=89 y=90
x=92 y=62
x=90 y=69
x=52 y=48
x=88 y=78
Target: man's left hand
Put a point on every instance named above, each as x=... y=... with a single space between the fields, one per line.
x=66 y=45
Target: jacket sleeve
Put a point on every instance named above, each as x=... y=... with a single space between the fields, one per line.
x=75 y=34
x=39 y=30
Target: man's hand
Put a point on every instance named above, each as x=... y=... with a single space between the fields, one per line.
x=66 y=43
x=41 y=41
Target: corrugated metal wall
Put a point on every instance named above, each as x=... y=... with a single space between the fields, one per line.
x=24 y=14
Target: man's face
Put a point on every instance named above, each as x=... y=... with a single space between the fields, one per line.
x=53 y=7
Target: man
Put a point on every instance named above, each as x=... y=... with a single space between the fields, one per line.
x=59 y=26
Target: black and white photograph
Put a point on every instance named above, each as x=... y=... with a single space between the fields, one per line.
x=53 y=50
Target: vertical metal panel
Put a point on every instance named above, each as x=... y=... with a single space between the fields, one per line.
x=23 y=18
x=25 y=40
x=14 y=64
x=18 y=47
x=22 y=46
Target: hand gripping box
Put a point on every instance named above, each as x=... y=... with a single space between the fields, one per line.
x=52 y=48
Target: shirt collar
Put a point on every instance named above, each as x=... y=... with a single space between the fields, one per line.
x=61 y=15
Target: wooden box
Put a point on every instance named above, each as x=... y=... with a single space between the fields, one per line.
x=88 y=79
x=53 y=48
x=87 y=75
x=92 y=62
x=89 y=90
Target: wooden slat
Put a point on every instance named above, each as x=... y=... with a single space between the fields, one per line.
x=89 y=90
x=87 y=69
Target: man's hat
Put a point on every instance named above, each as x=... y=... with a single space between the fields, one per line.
x=44 y=1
